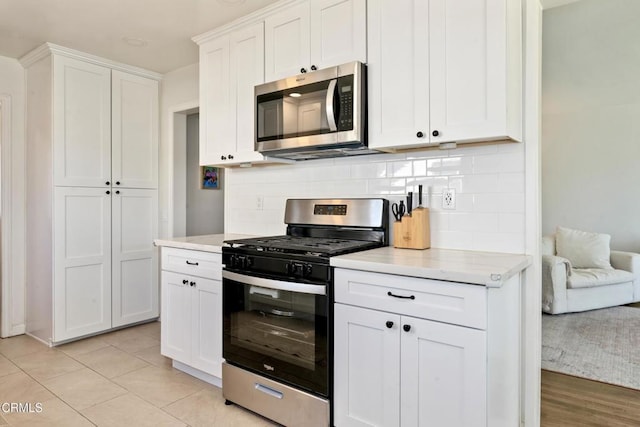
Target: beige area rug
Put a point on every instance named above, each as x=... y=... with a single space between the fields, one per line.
x=602 y=345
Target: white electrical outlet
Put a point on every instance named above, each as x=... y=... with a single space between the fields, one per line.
x=259 y=203
x=449 y=198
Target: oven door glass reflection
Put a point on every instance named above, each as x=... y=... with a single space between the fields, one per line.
x=278 y=333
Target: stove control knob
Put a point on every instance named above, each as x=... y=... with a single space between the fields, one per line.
x=307 y=270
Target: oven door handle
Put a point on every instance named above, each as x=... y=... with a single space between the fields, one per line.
x=302 y=288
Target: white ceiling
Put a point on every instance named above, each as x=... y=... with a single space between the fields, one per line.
x=101 y=27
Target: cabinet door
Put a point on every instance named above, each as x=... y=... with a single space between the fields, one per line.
x=175 y=328
x=367 y=367
x=134 y=161
x=398 y=73
x=468 y=49
x=443 y=374
x=217 y=118
x=82 y=262
x=135 y=262
x=338 y=32
x=206 y=332
x=286 y=40
x=247 y=71
x=81 y=123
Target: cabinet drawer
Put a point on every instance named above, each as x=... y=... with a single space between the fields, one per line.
x=455 y=303
x=195 y=263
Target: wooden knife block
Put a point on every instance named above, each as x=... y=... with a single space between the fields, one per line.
x=413 y=232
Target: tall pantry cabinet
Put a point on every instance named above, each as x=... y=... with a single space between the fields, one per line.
x=92 y=197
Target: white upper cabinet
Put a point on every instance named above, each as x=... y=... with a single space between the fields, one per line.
x=81 y=123
x=338 y=32
x=314 y=35
x=134 y=143
x=442 y=71
x=287 y=42
x=230 y=67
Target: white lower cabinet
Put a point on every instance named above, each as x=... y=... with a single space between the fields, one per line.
x=394 y=369
x=192 y=309
x=406 y=371
x=105 y=266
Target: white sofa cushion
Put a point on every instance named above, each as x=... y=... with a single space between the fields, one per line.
x=583 y=249
x=592 y=277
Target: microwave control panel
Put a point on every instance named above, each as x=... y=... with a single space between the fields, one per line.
x=345 y=95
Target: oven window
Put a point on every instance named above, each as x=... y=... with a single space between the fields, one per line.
x=277 y=333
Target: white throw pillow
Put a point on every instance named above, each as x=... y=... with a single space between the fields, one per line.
x=583 y=249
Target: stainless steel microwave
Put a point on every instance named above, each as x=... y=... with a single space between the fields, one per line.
x=313 y=115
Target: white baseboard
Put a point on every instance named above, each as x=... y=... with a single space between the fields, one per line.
x=208 y=378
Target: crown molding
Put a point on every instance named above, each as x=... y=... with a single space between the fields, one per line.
x=47 y=49
x=252 y=18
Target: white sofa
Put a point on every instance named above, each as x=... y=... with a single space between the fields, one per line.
x=566 y=289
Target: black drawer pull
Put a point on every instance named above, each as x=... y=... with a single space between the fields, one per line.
x=185 y=281
x=406 y=328
x=400 y=296
x=389 y=324
x=192 y=283
x=191 y=263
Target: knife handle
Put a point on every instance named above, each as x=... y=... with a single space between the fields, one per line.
x=409 y=203
x=420 y=195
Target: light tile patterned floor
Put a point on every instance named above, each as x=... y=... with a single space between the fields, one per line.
x=116 y=379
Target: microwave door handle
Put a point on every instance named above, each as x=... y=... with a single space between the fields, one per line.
x=331 y=93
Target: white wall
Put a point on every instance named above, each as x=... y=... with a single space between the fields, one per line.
x=489 y=184
x=591 y=111
x=177 y=88
x=12 y=84
x=205 y=207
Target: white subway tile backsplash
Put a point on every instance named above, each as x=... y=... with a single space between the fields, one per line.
x=485 y=222
x=511 y=182
x=400 y=169
x=419 y=168
x=387 y=186
x=511 y=222
x=481 y=183
x=489 y=184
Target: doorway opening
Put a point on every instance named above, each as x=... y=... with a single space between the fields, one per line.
x=196 y=195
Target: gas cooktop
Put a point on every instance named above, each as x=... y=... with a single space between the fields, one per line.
x=321 y=246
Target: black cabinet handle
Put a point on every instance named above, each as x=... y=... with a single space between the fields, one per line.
x=420 y=134
x=389 y=324
x=313 y=68
x=191 y=263
x=401 y=296
x=194 y=283
x=107 y=183
x=303 y=70
x=185 y=281
x=230 y=157
x=117 y=182
x=117 y=191
x=108 y=192
x=435 y=133
x=223 y=158
x=406 y=328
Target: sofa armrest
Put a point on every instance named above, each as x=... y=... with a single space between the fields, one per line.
x=628 y=261
x=555 y=271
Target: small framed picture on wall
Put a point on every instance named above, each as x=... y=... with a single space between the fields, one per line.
x=209 y=178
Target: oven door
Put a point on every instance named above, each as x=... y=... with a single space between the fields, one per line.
x=277 y=329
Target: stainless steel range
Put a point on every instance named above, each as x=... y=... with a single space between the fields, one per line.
x=278 y=307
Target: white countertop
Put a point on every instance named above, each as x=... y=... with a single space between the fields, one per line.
x=206 y=243
x=490 y=269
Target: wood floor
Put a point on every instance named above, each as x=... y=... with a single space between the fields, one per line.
x=570 y=401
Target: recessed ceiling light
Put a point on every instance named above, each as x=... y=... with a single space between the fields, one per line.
x=135 y=41
x=295 y=95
